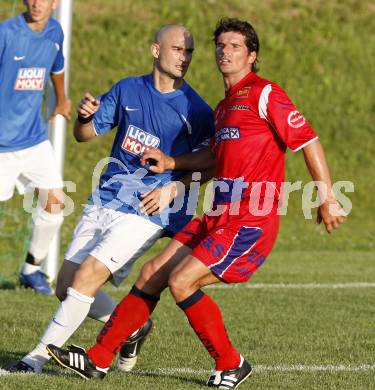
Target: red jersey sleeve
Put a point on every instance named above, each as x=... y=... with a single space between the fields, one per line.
x=280 y=112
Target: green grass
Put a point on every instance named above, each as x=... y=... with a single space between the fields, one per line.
x=271 y=327
x=323 y=54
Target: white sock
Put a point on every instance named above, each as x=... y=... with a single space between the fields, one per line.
x=28 y=269
x=102 y=307
x=45 y=226
x=70 y=315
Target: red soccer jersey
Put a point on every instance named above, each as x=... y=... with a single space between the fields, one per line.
x=255 y=122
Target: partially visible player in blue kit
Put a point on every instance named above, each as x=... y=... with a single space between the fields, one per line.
x=31 y=51
x=127 y=213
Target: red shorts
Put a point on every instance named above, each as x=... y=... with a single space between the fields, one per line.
x=232 y=247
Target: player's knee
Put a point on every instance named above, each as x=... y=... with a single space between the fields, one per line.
x=91 y=275
x=83 y=275
x=178 y=282
x=147 y=272
x=153 y=277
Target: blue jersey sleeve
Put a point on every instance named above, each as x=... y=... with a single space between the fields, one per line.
x=203 y=129
x=106 y=118
x=58 y=65
x=2 y=41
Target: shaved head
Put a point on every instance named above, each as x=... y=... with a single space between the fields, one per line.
x=172 y=50
x=169 y=29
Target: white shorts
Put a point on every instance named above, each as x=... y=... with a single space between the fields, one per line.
x=29 y=168
x=114 y=238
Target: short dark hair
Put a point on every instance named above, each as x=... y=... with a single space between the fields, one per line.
x=242 y=27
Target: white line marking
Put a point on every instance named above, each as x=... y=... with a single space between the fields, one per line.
x=269 y=286
x=294 y=285
x=5 y=373
x=263 y=368
x=260 y=368
x=305 y=368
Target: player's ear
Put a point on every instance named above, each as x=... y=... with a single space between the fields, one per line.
x=55 y=4
x=155 y=50
x=252 y=57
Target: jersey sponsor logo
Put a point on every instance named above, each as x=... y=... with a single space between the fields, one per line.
x=137 y=141
x=20 y=58
x=30 y=79
x=57 y=46
x=227 y=133
x=243 y=93
x=239 y=107
x=296 y=120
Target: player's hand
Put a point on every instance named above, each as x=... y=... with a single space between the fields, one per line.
x=332 y=214
x=63 y=108
x=155 y=201
x=88 y=106
x=157 y=161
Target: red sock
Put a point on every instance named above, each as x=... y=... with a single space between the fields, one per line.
x=205 y=318
x=129 y=315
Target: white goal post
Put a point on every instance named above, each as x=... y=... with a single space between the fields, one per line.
x=57 y=128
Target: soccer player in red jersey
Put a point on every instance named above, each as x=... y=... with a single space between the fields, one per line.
x=255 y=123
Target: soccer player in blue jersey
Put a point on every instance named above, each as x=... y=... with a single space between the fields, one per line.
x=30 y=51
x=127 y=214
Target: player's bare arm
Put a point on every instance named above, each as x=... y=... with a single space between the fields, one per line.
x=200 y=160
x=330 y=211
x=63 y=104
x=155 y=201
x=83 y=126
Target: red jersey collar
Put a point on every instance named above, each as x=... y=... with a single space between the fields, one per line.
x=251 y=76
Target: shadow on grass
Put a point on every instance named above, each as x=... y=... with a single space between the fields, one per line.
x=8 y=358
x=6 y=283
x=169 y=375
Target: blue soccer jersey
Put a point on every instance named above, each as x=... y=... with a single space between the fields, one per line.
x=26 y=60
x=177 y=123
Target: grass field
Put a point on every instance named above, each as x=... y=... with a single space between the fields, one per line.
x=306 y=319
x=294 y=322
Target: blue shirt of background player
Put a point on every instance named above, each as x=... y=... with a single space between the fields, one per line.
x=26 y=60
x=177 y=123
